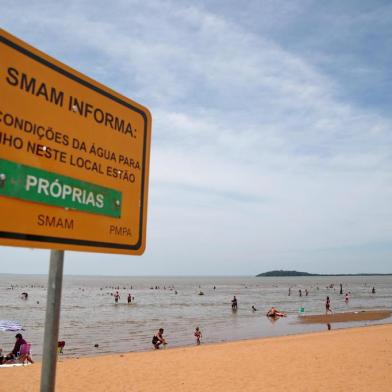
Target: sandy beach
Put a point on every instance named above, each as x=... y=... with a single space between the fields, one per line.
x=364 y=315
x=355 y=359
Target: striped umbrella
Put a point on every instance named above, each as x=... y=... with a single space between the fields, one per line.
x=9 y=325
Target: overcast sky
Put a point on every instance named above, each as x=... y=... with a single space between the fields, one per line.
x=272 y=129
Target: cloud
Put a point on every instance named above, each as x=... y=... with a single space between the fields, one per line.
x=257 y=147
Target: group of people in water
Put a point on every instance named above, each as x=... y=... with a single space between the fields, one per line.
x=158 y=339
x=116 y=296
x=273 y=312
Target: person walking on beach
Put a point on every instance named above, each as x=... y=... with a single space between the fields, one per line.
x=234 y=303
x=300 y=292
x=198 y=335
x=328 y=306
x=158 y=339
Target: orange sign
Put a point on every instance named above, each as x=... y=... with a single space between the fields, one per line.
x=74 y=157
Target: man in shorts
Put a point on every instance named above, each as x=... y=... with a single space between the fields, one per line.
x=158 y=339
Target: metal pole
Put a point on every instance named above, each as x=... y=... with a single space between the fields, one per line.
x=52 y=321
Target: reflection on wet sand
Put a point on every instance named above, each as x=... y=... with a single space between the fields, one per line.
x=364 y=315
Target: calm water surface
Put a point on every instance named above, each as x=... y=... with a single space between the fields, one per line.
x=89 y=315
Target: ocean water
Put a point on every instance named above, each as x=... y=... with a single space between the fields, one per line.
x=90 y=317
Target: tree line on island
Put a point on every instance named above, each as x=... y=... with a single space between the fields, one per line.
x=278 y=273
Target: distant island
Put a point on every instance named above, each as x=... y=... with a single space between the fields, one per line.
x=277 y=273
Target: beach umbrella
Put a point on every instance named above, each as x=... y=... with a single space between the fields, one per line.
x=9 y=325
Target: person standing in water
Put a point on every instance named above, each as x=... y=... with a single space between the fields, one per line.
x=198 y=335
x=116 y=297
x=234 y=303
x=328 y=306
x=129 y=298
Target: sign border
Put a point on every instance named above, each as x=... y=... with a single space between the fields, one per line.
x=107 y=94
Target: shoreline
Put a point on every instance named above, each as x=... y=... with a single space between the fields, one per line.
x=223 y=342
x=317 y=361
x=343 y=322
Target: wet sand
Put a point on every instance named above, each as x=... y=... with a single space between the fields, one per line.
x=365 y=315
x=355 y=359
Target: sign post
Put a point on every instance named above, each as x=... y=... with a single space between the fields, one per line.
x=51 y=334
x=74 y=168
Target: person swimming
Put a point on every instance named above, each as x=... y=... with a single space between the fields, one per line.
x=274 y=313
